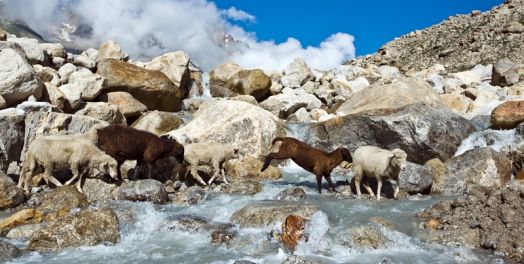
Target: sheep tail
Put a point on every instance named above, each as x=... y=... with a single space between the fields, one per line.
x=276 y=139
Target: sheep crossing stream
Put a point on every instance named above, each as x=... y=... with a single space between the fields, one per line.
x=144 y=238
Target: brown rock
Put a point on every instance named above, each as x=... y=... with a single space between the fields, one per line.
x=3 y=35
x=250 y=82
x=438 y=169
x=151 y=87
x=10 y=195
x=126 y=103
x=432 y=223
x=249 y=169
x=62 y=198
x=508 y=115
x=158 y=122
x=520 y=176
x=292 y=231
x=22 y=217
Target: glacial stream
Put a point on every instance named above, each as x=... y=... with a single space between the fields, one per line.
x=144 y=238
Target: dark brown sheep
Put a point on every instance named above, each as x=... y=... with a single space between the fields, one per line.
x=311 y=159
x=127 y=143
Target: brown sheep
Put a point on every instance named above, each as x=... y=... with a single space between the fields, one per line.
x=127 y=143
x=311 y=159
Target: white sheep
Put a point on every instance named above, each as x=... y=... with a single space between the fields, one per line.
x=371 y=161
x=76 y=152
x=214 y=154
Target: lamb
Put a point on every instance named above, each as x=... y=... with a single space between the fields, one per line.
x=371 y=161
x=127 y=143
x=75 y=152
x=214 y=154
x=311 y=159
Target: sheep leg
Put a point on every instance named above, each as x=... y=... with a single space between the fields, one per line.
x=331 y=185
x=28 y=175
x=319 y=183
x=194 y=174
x=395 y=194
x=48 y=176
x=223 y=173
x=357 y=169
x=379 y=187
x=74 y=170
x=216 y=171
x=366 y=186
x=79 y=183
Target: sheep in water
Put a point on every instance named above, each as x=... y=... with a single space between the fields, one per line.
x=127 y=143
x=371 y=161
x=311 y=159
x=214 y=154
x=75 y=152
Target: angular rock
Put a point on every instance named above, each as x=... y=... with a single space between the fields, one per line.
x=10 y=195
x=109 y=50
x=263 y=213
x=389 y=72
x=12 y=131
x=402 y=92
x=296 y=74
x=477 y=167
x=158 y=122
x=175 y=65
x=292 y=194
x=218 y=78
x=250 y=82
x=103 y=111
x=283 y=105
x=240 y=187
x=89 y=227
x=238 y=124
x=18 y=79
x=54 y=50
x=89 y=85
x=47 y=74
x=55 y=96
x=8 y=251
x=438 y=170
x=505 y=73
x=65 y=72
x=126 y=103
x=422 y=131
x=97 y=190
x=152 y=88
x=415 y=179
x=86 y=59
x=248 y=169
x=31 y=48
x=458 y=103
x=143 y=190
x=508 y=115
x=60 y=199
x=191 y=196
x=20 y=218
x=300 y=116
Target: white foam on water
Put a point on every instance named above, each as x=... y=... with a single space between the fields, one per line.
x=495 y=139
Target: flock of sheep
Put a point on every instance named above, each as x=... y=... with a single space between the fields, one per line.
x=102 y=150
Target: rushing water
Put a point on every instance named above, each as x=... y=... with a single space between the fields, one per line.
x=495 y=139
x=143 y=240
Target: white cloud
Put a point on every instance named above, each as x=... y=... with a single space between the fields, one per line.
x=239 y=15
x=146 y=29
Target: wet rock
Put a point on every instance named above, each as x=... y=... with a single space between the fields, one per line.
x=487 y=219
x=415 y=179
x=483 y=167
x=292 y=194
x=250 y=82
x=109 y=50
x=158 y=122
x=223 y=236
x=175 y=65
x=238 y=124
x=185 y=222
x=18 y=80
x=362 y=238
x=296 y=74
x=63 y=198
x=103 y=111
x=218 y=78
x=97 y=190
x=508 y=115
x=248 y=169
x=152 y=88
x=263 y=213
x=191 y=196
x=143 y=190
x=505 y=73
x=292 y=231
x=126 y=103
x=243 y=262
x=417 y=129
x=20 y=218
x=395 y=95
x=285 y=104
x=10 y=195
x=294 y=259
x=12 y=127
x=8 y=251
x=89 y=227
x=241 y=187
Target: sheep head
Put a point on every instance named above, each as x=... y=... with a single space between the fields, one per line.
x=177 y=149
x=233 y=154
x=399 y=159
x=346 y=155
x=104 y=165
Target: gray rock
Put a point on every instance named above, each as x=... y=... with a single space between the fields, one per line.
x=158 y=122
x=37 y=107
x=296 y=74
x=103 y=111
x=12 y=123
x=283 y=105
x=8 y=251
x=505 y=73
x=31 y=48
x=292 y=194
x=264 y=213
x=126 y=103
x=294 y=259
x=86 y=84
x=363 y=238
x=143 y=190
x=24 y=232
x=175 y=65
x=54 y=50
x=415 y=179
x=191 y=196
x=10 y=195
x=97 y=190
x=18 y=80
x=65 y=72
x=300 y=116
x=109 y=50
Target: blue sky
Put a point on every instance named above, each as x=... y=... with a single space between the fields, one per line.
x=372 y=22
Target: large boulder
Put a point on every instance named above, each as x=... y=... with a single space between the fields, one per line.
x=12 y=127
x=415 y=178
x=10 y=195
x=103 y=111
x=126 y=103
x=248 y=169
x=458 y=103
x=143 y=190
x=423 y=132
x=55 y=50
x=238 y=124
x=55 y=96
x=505 y=73
x=20 y=218
x=151 y=87
x=287 y=103
x=158 y=122
x=264 y=213
x=250 y=82
x=18 y=79
x=47 y=123
x=477 y=167
x=31 y=48
x=404 y=91
x=60 y=199
x=175 y=65
x=296 y=74
x=508 y=115
x=8 y=251
x=87 y=84
x=88 y=227
x=218 y=78
x=109 y=50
